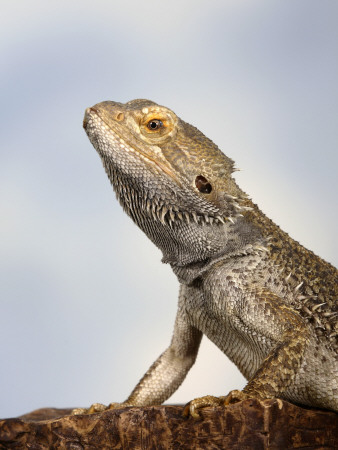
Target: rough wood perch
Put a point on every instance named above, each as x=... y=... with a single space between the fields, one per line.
x=251 y=424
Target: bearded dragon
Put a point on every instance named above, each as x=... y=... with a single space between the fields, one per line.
x=267 y=302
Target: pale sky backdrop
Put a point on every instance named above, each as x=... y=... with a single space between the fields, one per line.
x=86 y=305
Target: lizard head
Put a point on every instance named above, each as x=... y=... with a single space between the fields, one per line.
x=172 y=180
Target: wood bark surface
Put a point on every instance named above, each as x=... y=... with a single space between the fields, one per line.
x=251 y=424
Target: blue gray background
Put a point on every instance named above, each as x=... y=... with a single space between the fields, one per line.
x=86 y=305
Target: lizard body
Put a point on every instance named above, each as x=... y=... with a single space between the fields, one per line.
x=267 y=302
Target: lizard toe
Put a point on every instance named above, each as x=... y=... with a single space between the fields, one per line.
x=235 y=396
x=94 y=408
x=195 y=405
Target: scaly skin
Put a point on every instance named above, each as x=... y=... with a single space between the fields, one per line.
x=268 y=303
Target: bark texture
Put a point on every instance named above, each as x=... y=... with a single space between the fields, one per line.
x=251 y=424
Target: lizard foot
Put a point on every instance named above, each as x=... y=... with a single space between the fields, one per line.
x=95 y=408
x=192 y=407
x=235 y=396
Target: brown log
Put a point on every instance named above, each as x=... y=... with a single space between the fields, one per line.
x=251 y=424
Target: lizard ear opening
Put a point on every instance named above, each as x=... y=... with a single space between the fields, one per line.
x=203 y=184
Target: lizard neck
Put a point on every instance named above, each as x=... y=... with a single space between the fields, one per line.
x=233 y=240
x=189 y=246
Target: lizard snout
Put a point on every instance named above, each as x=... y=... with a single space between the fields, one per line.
x=87 y=116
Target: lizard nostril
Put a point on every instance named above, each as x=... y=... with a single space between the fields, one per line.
x=119 y=116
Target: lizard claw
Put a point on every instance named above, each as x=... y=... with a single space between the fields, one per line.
x=192 y=407
x=95 y=408
x=235 y=396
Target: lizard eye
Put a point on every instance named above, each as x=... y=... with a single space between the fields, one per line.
x=203 y=184
x=155 y=124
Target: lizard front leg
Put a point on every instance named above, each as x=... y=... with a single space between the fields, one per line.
x=166 y=373
x=265 y=316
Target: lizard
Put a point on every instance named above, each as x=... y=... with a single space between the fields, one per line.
x=267 y=302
